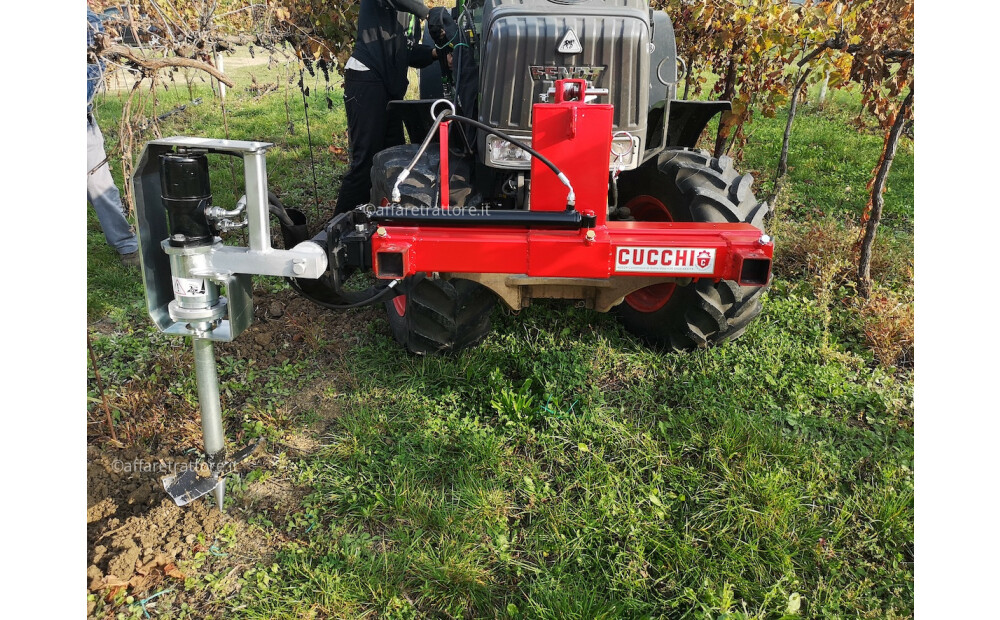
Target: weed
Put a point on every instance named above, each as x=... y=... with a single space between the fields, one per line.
x=886 y=320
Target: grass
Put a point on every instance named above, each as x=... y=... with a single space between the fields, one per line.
x=554 y=474
x=830 y=163
x=562 y=469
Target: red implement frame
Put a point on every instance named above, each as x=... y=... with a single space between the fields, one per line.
x=663 y=249
x=576 y=137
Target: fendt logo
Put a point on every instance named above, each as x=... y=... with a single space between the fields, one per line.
x=665 y=260
x=553 y=73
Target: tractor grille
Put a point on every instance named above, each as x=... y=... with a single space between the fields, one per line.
x=520 y=62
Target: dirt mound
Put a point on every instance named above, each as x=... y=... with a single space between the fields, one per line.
x=131 y=522
x=140 y=544
x=288 y=327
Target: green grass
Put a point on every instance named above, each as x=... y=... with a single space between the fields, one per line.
x=830 y=162
x=562 y=469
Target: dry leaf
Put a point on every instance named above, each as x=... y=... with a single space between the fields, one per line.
x=114 y=592
x=171 y=570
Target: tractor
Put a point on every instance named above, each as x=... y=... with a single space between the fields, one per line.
x=555 y=163
x=669 y=239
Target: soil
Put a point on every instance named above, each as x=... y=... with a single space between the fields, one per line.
x=130 y=520
x=138 y=541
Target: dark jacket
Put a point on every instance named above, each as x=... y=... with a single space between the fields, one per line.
x=387 y=44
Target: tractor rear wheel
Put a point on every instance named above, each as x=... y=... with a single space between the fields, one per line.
x=690 y=186
x=434 y=316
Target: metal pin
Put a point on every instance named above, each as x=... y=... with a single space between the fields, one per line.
x=220 y=494
x=211 y=407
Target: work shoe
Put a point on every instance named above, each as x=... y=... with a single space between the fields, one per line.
x=131 y=259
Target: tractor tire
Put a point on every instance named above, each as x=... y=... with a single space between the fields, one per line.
x=441 y=316
x=690 y=186
x=434 y=316
x=421 y=188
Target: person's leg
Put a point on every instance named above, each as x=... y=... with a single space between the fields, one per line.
x=394 y=135
x=104 y=195
x=364 y=102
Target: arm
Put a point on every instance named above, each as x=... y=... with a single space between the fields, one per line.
x=416 y=7
x=422 y=55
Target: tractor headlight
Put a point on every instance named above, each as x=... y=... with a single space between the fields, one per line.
x=505 y=154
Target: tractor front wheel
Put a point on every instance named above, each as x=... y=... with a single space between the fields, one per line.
x=441 y=316
x=435 y=316
x=690 y=186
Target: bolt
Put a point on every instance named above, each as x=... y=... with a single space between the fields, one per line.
x=359 y=227
x=299 y=266
x=591 y=235
x=764 y=239
x=381 y=232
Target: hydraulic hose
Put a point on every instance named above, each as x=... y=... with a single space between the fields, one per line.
x=379 y=295
x=570 y=198
x=277 y=209
x=405 y=172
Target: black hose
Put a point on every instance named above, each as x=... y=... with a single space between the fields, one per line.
x=375 y=298
x=503 y=136
x=418 y=216
x=277 y=209
x=614 y=192
x=281 y=214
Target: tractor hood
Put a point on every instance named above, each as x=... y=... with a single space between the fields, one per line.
x=529 y=44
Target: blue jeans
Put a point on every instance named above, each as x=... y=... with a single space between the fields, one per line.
x=104 y=195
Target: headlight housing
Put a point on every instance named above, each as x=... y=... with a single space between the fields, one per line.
x=501 y=153
x=504 y=154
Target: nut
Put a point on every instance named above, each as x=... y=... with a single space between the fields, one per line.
x=381 y=231
x=591 y=235
x=299 y=266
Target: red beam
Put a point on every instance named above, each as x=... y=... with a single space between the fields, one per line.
x=667 y=249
